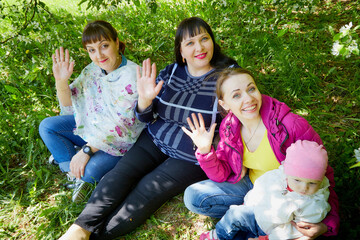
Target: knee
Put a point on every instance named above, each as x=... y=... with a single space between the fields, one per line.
x=46 y=125
x=189 y=198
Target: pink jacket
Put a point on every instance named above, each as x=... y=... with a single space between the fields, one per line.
x=284 y=128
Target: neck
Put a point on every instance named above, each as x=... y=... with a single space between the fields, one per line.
x=199 y=72
x=252 y=125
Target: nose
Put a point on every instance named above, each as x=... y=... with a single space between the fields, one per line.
x=198 y=46
x=99 y=54
x=304 y=187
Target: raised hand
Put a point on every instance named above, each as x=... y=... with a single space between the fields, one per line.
x=62 y=67
x=198 y=134
x=146 y=85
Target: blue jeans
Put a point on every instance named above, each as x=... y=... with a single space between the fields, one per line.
x=238 y=223
x=213 y=199
x=57 y=134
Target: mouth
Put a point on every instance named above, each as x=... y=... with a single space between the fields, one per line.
x=103 y=61
x=201 y=56
x=250 y=109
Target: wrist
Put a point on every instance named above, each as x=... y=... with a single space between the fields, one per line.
x=87 y=150
x=62 y=87
x=143 y=104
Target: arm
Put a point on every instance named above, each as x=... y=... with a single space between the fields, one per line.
x=214 y=168
x=62 y=70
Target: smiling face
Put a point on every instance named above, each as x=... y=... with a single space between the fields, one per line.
x=241 y=95
x=105 y=54
x=198 y=52
x=303 y=186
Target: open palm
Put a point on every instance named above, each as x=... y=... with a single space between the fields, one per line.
x=198 y=134
x=146 y=84
x=62 y=67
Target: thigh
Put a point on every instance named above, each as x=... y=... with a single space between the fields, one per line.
x=62 y=125
x=116 y=185
x=166 y=181
x=213 y=199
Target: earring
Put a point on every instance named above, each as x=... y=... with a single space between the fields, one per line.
x=183 y=60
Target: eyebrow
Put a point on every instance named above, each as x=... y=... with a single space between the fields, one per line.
x=192 y=38
x=239 y=88
x=98 y=44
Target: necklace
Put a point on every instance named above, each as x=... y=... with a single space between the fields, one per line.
x=253 y=132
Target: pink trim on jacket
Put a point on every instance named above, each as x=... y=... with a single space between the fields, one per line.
x=284 y=128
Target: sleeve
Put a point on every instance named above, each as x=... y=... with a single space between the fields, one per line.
x=303 y=130
x=216 y=169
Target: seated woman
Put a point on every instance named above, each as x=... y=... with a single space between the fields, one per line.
x=97 y=109
x=161 y=164
x=254 y=137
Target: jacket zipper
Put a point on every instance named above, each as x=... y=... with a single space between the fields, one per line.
x=240 y=158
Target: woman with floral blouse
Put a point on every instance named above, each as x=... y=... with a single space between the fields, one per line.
x=97 y=109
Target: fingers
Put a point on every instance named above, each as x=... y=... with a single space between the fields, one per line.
x=158 y=87
x=61 y=59
x=67 y=55
x=191 y=125
x=195 y=120
x=138 y=75
x=146 y=68
x=153 y=70
x=187 y=132
x=201 y=120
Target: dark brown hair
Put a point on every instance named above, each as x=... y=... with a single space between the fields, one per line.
x=99 y=29
x=191 y=27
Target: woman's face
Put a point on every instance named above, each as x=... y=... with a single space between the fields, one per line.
x=241 y=96
x=105 y=54
x=198 y=52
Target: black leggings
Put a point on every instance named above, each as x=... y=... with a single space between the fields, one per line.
x=141 y=182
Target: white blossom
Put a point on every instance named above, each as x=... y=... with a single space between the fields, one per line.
x=336 y=48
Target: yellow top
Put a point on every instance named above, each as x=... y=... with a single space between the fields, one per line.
x=261 y=160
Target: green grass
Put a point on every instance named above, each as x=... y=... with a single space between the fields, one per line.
x=296 y=68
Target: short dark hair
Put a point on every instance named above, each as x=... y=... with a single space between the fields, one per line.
x=191 y=27
x=100 y=29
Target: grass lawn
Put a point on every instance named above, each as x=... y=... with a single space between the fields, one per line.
x=287 y=44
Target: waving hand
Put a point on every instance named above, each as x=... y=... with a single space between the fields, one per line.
x=198 y=134
x=146 y=85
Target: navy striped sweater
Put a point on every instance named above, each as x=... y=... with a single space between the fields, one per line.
x=181 y=95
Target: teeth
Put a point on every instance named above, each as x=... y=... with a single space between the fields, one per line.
x=250 y=108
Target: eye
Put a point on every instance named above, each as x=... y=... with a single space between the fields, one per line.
x=189 y=43
x=313 y=183
x=252 y=89
x=205 y=39
x=297 y=180
x=91 y=50
x=105 y=45
x=237 y=95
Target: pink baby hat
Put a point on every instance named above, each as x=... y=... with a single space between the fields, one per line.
x=306 y=159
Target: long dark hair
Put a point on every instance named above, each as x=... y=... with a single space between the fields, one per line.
x=191 y=27
x=100 y=29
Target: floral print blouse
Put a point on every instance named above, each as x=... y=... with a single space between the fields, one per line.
x=103 y=106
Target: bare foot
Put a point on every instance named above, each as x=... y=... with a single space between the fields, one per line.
x=75 y=232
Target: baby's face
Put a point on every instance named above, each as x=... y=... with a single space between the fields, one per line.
x=303 y=186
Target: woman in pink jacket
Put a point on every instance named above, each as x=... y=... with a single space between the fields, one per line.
x=254 y=137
